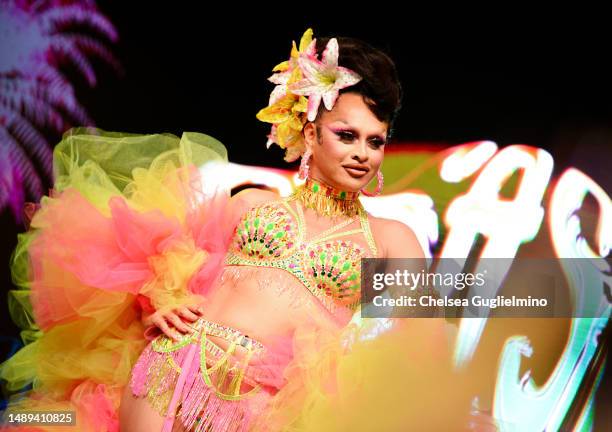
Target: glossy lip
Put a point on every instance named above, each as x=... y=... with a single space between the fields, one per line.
x=356 y=173
x=357 y=167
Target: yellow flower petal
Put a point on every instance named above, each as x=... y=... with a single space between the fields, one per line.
x=301 y=105
x=295 y=123
x=294 y=51
x=286 y=135
x=296 y=75
x=306 y=39
x=281 y=67
x=287 y=113
x=278 y=112
x=271 y=115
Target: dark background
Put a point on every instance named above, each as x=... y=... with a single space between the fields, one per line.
x=191 y=70
x=188 y=69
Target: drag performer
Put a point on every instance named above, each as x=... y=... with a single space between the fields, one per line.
x=161 y=307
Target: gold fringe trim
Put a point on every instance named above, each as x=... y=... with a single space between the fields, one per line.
x=327 y=205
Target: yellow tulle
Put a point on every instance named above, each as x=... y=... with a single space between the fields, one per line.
x=402 y=379
x=127 y=220
x=118 y=225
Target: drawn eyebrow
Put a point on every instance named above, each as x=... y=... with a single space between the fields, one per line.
x=352 y=129
x=356 y=132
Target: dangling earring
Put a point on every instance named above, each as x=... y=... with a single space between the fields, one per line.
x=304 y=168
x=380 y=183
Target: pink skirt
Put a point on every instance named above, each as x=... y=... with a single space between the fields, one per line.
x=197 y=383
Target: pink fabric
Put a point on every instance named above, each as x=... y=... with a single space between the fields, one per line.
x=187 y=370
x=269 y=368
x=196 y=396
x=94 y=405
x=85 y=263
x=212 y=226
x=114 y=256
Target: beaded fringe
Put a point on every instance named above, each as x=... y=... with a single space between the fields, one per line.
x=156 y=375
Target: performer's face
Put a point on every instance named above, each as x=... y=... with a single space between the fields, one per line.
x=349 y=134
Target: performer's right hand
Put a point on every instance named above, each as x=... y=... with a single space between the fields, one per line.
x=174 y=323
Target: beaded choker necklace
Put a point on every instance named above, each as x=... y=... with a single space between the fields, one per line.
x=327 y=200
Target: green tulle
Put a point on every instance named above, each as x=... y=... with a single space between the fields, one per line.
x=100 y=164
x=87 y=354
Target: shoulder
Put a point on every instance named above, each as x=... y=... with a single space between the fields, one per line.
x=255 y=195
x=395 y=239
x=251 y=197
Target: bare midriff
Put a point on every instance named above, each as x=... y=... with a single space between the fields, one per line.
x=267 y=304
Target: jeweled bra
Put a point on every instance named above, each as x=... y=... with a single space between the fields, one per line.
x=272 y=235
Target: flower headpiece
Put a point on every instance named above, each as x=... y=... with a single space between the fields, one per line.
x=301 y=83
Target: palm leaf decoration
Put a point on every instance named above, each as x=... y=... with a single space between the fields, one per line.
x=37 y=100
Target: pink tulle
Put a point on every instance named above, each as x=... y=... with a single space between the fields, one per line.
x=85 y=263
x=114 y=255
x=271 y=365
x=212 y=226
x=94 y=405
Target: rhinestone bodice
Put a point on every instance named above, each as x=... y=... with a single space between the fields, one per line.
x=328 y=265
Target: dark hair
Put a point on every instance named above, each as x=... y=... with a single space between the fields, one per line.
x=380 y=85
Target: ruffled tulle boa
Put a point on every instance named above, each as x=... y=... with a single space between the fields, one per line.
x=127 y=225
x=362 y=378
